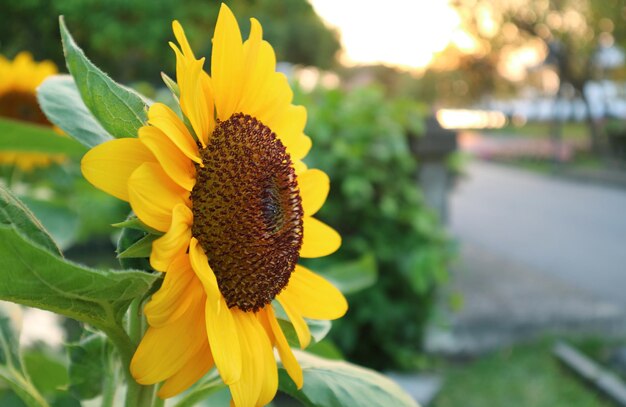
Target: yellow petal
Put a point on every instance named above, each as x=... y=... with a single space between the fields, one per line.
x=314 y=186
x=193 y=101
x=275 y=101
x=164 y=350
x=245 y=391
x=288 y=123
x=175 y=241
x=299 y=167
x=299 y=324
x=259 y=376
x=269 y=370
x=178 y=166
x=262 y=317
x=224 y=340
x=163 y=118
x=207 y=89
x=319 y=239
x=44 y=69
x=201 y=267
x=227 y=64
x=289 y=127
x=284 y=351
x=301 y=147
x=153 y=195
x=181 y=63
x=260 y=68
x=313 y=296
x=178 y=308
x=255 y=72
x=179 y=33
x=193 y=370
x=220 y=325
x=251 y=52
x=109 y=165
x=25 y=76
x=175 y=294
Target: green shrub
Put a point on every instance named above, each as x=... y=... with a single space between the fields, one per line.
x=362 y=141
x=615 y=130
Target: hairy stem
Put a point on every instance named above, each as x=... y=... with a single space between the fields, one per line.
x=137 y=395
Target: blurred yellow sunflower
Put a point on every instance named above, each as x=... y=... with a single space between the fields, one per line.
x=19 y=80
x=236 y=205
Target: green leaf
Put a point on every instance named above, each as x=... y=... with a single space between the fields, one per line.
x=22 y=387
x=353 y=276
x=89 y=364
x=15 y=215
x=26 y=137
x=61 y=102
x=129 y=238
x=9 y=398
x=171 y=85
x=208 y=386
x=62 y=223
x=30 y=275
x=140 y=249
x=120 y=110
x=33 y=273
x=134 y=223
x=47 y=369
x=331 y=383
x=11 y=366
x=319 y=330
x=63 y=399
x=326 y=349
x=10 y=320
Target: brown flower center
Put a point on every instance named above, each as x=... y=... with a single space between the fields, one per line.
x=247 y=212
x=20 y=105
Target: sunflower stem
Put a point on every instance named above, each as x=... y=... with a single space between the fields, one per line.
x=136 y=394
x=158 y=402
x=125 y=348
x=109 y=388
x=146 y=396
x=135 y=321
x=133 y=390
x=122 y=342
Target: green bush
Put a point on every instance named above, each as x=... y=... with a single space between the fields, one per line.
x=362 y=140
x=616 y=137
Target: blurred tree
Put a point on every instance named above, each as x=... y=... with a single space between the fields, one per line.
x=292 y=27
x=128 y=39
x=469 y=79
x=568 y=32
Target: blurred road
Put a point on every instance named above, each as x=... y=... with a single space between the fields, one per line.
x=572 y=232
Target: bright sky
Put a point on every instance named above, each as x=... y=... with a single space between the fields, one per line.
x=404 y=33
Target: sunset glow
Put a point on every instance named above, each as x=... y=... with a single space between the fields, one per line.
x=401 y=33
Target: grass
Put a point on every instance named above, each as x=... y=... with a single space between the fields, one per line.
x=521 y=376
x=581 y=161
x=541 y=130
x=570 y=130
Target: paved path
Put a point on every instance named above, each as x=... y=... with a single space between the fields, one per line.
x=538 y=255
x=574 y=232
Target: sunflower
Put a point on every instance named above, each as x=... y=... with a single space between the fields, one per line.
x=18 y=83
x=227 y=186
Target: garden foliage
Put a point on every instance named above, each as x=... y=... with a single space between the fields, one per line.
x=363 y=141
